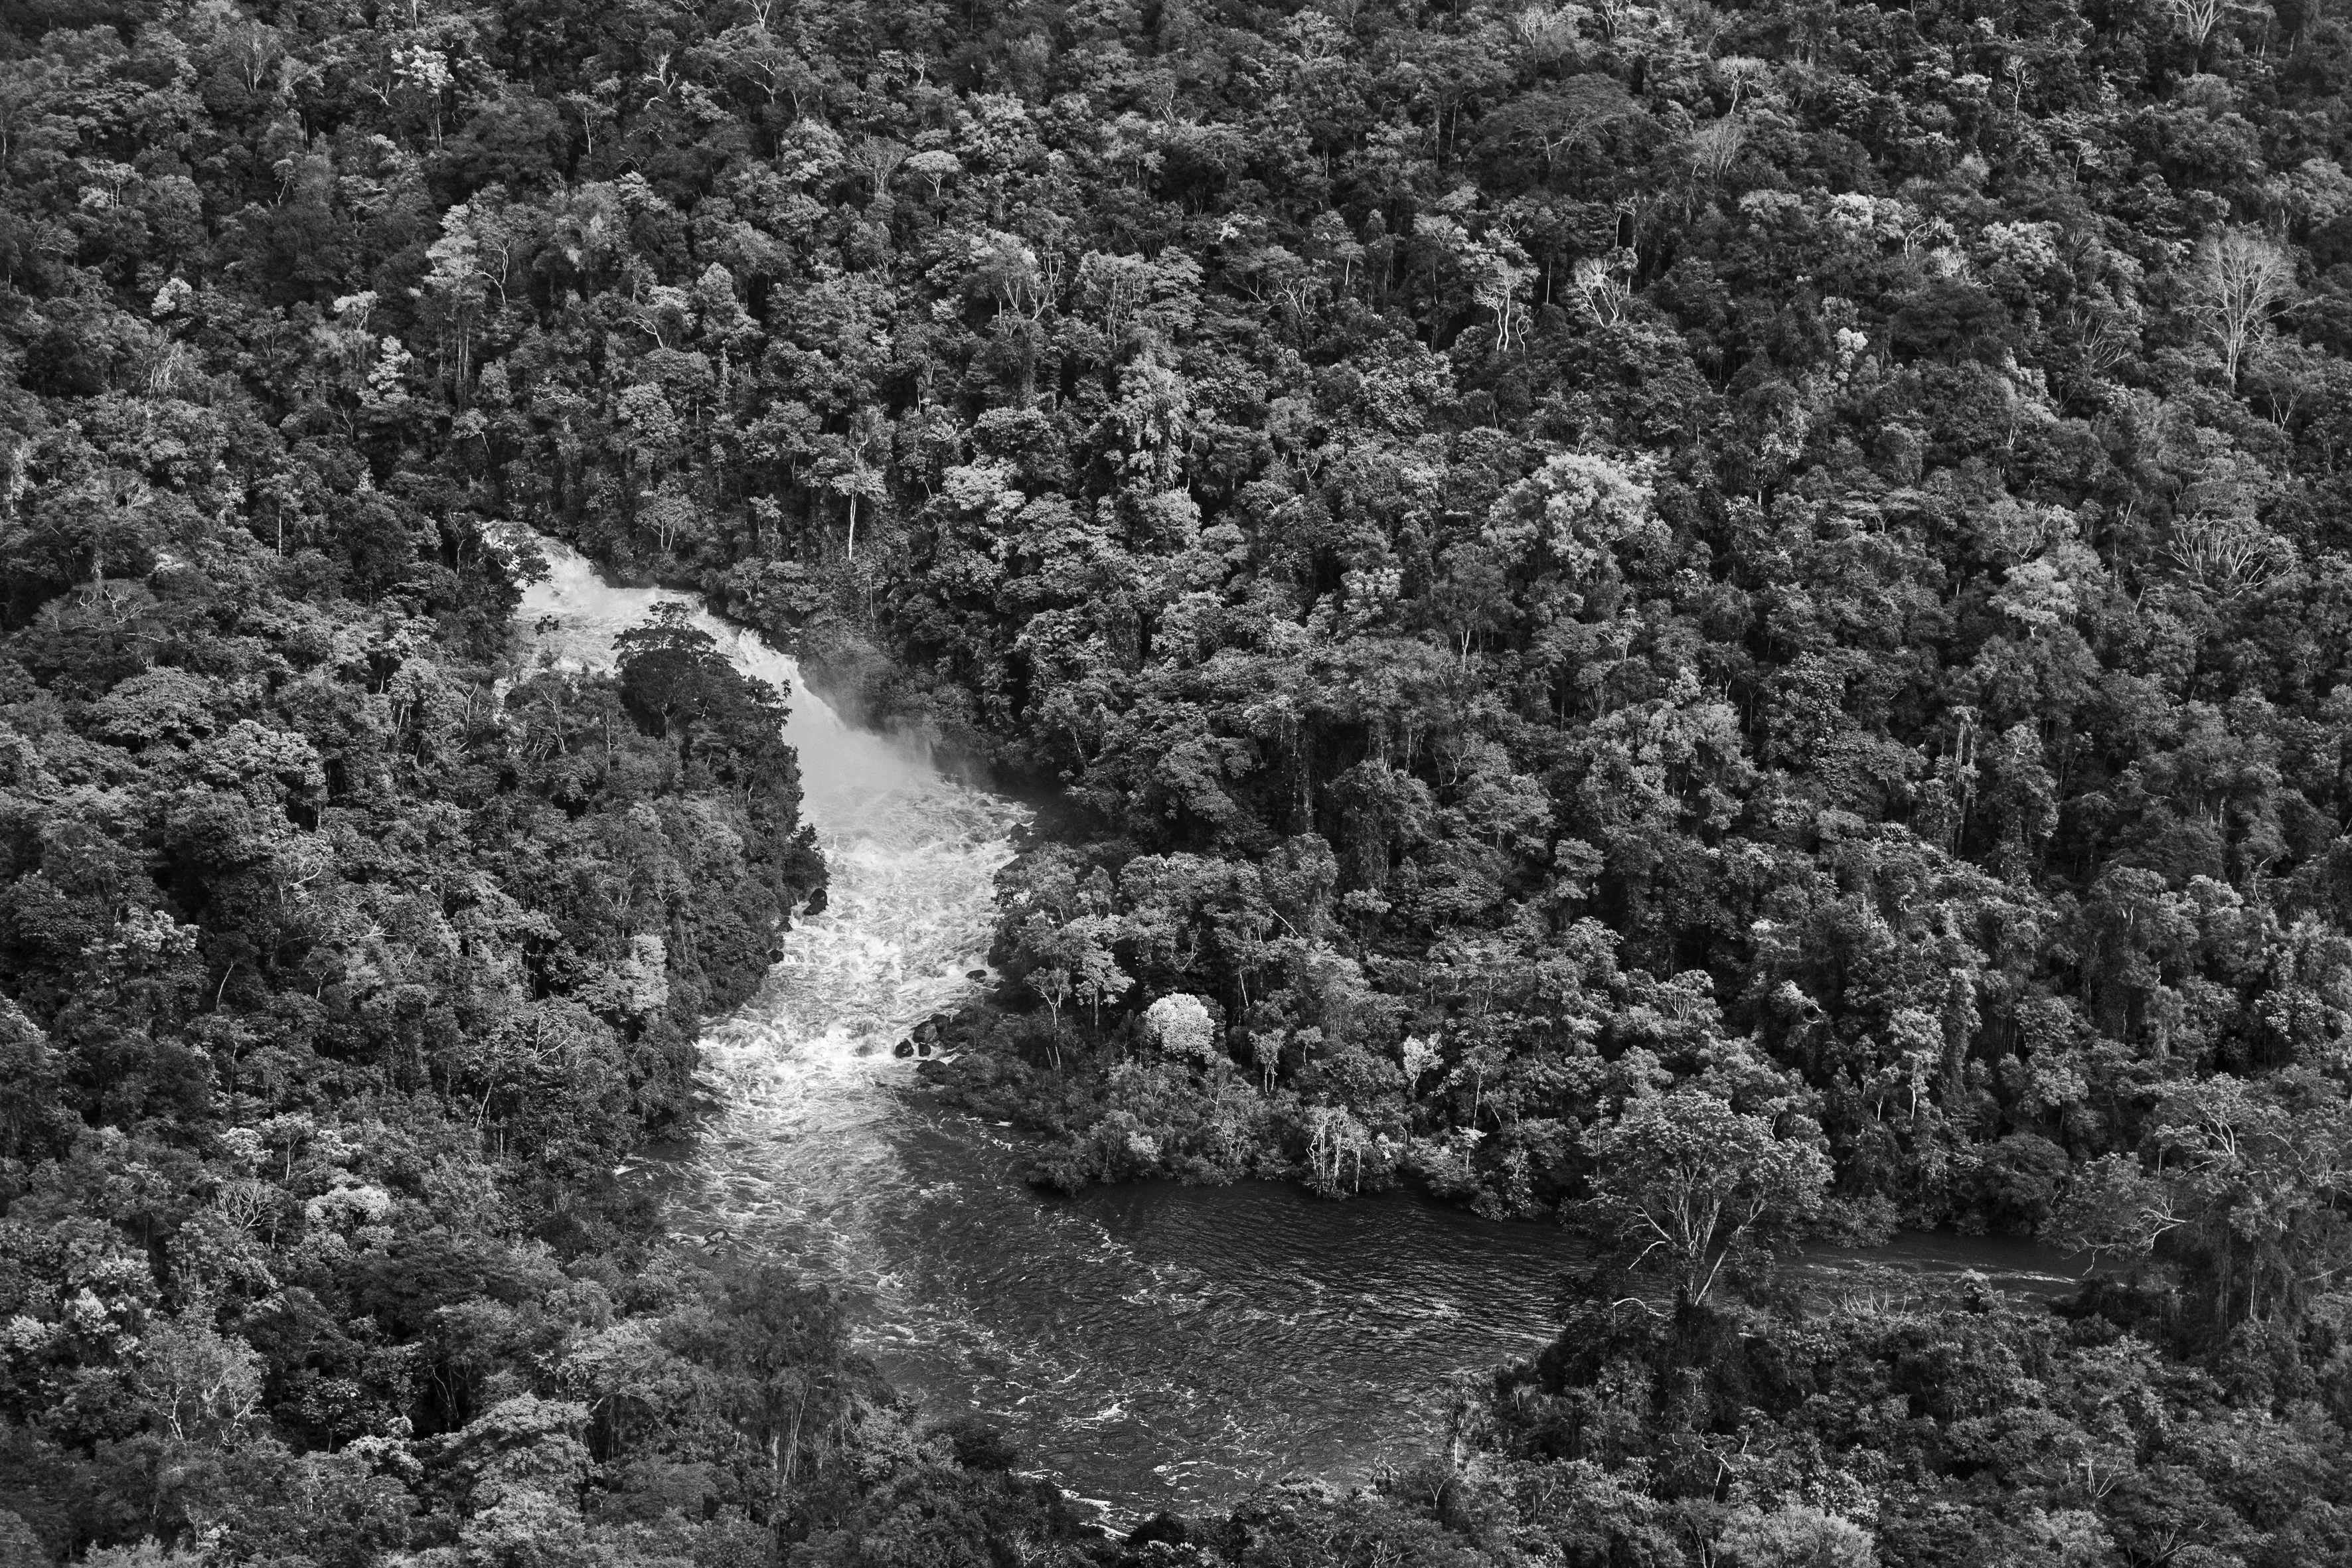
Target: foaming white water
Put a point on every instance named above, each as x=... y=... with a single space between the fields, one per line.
x=803 y=1147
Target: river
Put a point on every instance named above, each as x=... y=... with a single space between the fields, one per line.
x=1152 y=1346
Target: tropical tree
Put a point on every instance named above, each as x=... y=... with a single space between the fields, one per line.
x=1683 y=1185
x=2238 y=279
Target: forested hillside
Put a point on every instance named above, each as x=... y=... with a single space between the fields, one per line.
x=1714 y=622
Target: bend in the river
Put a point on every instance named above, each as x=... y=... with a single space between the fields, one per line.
x=1155 y=1346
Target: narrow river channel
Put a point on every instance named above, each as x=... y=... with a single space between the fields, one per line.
x=1154 y=1346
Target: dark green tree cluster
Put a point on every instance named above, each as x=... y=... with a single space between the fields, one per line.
x=340 y=962
x=1881 y=1428
x=345 y=951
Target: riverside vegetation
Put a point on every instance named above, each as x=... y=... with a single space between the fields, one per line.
x=1718 y=623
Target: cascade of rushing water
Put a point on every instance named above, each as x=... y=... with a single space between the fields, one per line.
x=801 y=1072
x=1152 y=1346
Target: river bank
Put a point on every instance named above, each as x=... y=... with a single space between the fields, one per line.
x=1153 y=1345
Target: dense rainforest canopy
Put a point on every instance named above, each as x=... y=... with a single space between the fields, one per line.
x=1712 y=622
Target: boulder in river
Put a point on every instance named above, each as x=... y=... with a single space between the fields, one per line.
x=922 y=1048
x=975 y=974
x=903 y=1049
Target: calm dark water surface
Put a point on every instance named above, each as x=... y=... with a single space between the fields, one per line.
x=1152 y=1346
x=1162 y=1344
